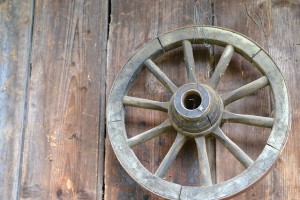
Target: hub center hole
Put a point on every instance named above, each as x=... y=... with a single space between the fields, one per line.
x=192 y=100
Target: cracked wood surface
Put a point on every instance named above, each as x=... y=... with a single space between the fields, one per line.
x=63 y=145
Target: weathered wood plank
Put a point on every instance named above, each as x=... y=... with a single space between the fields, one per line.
x=63 y=147
x=15 y=46
x=239 y=73
x=272 y=24
x=284 y=47
x=141 y=21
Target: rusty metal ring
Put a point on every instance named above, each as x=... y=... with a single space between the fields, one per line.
x=201 y=119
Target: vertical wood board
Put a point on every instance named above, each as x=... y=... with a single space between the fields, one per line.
x=63 y=147
x=134 y=23
x=273 y=25
x=15 y=47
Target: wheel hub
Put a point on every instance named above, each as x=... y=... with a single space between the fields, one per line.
x=195 y=109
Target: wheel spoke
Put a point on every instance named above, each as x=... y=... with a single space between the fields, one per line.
x=204 y=169
x=162 y=77
x=148 y=135
x=145 y=103
x=233 y=148
x=248 y=119
x=244 y=90
x=189 y=61
x=171 y=155
x=222 y=66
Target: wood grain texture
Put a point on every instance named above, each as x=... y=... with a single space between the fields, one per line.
x=238 y=16
x=15 y=46
x=271 y=24
x=63 y=147
x=52 y=96
x=141 y=21
x=252 y=18
x=284 y=47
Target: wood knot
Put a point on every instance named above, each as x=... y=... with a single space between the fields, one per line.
x=82 y=195
x=146 y=197
x=59 y=192
x=33 y=191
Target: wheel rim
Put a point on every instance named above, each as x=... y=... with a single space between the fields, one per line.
x=210 y=119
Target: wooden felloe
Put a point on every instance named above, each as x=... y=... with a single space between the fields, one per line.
x=197 y=111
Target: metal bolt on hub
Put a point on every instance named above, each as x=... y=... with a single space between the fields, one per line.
x=196 y=111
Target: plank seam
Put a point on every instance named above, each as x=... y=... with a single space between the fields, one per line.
x=26 y=98
x=212 y=4
x=108 y=23
x=212 y=67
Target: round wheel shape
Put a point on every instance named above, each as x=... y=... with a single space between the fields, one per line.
x=201 y=117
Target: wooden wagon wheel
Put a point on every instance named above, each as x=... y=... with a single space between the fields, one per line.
x=196 y=111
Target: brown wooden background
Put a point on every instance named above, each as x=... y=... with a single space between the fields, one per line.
x=59 y=59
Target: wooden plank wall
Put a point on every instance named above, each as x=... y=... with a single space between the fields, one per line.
x=262 y=21
x=65 y=128
x=15 y=47
x=273 y=25
x=142 y=21
x=65 y=117
x=53 y=69
x=247 y=18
